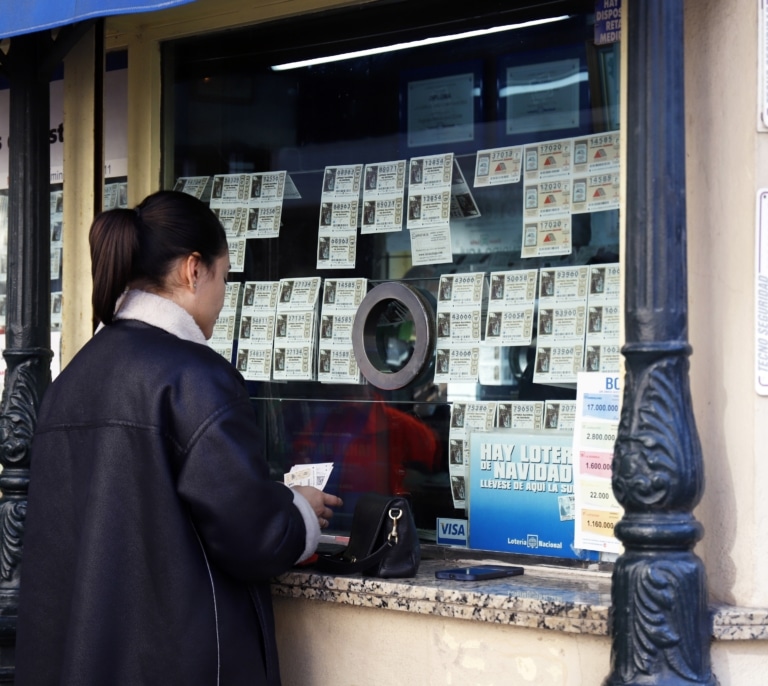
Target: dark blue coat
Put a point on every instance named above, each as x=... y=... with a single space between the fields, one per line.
x=152 y=527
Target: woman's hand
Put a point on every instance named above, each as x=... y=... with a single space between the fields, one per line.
x=321 y=503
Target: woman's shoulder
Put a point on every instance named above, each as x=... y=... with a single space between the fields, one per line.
x=162 y=345
x=146 y=353
x=130 y=368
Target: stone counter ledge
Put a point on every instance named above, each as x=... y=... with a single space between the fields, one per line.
x=558 y=600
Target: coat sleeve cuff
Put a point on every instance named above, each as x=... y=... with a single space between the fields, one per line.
x=311 y=525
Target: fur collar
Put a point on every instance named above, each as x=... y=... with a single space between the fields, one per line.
x=160 y=312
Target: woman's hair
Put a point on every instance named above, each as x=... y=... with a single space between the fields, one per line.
x=144 y=243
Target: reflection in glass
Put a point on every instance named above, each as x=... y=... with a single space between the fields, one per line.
x=229 y=112
x=395 y=335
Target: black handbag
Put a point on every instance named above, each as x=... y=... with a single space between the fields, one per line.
x=383 y=541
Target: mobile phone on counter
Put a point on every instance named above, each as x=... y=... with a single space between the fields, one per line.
x=478 y=572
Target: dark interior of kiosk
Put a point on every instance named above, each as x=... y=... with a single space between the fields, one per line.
x=227 y=111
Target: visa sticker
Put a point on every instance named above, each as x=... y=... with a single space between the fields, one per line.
x=452 y=531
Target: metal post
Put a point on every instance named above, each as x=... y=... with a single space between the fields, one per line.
x=27 y=352
x=661 y=626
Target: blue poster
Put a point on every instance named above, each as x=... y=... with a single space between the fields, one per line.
x=607 y=21
x=521 y=493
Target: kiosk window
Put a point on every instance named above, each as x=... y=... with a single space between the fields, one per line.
x=468 y=152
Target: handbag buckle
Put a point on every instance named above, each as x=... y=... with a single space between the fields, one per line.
x=394 y=514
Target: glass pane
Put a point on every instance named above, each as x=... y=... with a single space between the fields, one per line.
x=232 y=106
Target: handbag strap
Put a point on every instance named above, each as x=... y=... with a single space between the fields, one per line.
x=336 y=564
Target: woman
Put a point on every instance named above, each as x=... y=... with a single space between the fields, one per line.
x=153 y=527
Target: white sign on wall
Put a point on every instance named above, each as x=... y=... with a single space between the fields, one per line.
x=762 y=66
x=761 y=293
x=115 y=128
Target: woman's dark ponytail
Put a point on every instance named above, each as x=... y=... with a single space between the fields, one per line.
x=114 y=244
x=143 y=245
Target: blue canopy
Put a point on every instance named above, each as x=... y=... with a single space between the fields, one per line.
x=28 y=16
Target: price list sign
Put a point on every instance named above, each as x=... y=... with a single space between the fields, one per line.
x=596 y=425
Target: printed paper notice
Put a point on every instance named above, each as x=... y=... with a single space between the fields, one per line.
x=597 y=421
x=547 y=237
x=342 y=183
x=431 y=246
x=265 y=205
x=602 y=350
x=463 y=204
x=336 y=358
x=194 y=185
x=547 y=199
x=383 y=189
x=464 y=418
x=498 y=165
x=336 y=252
x=459 y=329
x=559 y=415
x=230 y=189
x=441 y=110
x=339 y=217
x=547 y=161
x=429 y=190
x=511 y=307
x=561 y=324
x=596 y=154
x=257 y=330
x=295 y=338
x=222 y=338
x=234 y=220
x=525 y=415
x=236 y=254
x=596 y=192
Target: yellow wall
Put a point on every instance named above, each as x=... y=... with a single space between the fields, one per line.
x=79 y=150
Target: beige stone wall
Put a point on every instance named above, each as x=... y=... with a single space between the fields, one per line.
x=740 y=663
x=726 y=165
x=324 y=643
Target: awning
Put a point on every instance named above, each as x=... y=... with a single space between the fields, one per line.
x=28 y=16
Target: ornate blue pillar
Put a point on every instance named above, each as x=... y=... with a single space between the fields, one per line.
x=28 y=64
x=661 y=625
x=27 y=353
